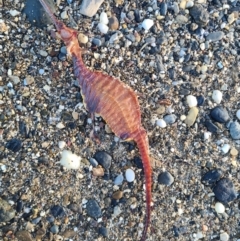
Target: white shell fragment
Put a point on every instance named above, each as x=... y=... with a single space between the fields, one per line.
x=219 y=207
x=103 y=28
x=70 y=160
x=147 y=24
x=191 y=101
x=130 y=175
x=217 y=96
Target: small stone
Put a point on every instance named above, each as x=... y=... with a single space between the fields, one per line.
x=220 y=65
x=170 y=119
x=14 y=12
x=104 y=159
x=113 y=23
x=70 y=160
x=181 y=19
x=93 y=162
x=63 y=50
x=41 y=71
x=225 y=148
x=67 y=234
x=90 y=7
x=189 y=4
x=103 y=28
x=191 y=117
x=232 y=17
x=55 y=229
x=235 y=130
x=93 y=209
x=224 y=236
x=217 y=96
x=98 y=171
x=165 y=178
x=130 y=175
x=104 y=18
x=163 y=8
x=219 y=114
x=103 y=231
x=23 y=235
x=175 y=7
x=6 y=211
x=234 y=151
x=118 y=180
x=28 y=80
x=15 y=79
x=83 y=39
x=161 y=109
x=116 y=211
x=161 y=123
x=60 y=125
x=211 y=177
x=238 y=114
x=61 y=144
x=64 y=15
x=183 y=4
x=219 y=207
x=117 y=195
x=200 y=100
x=147 y=24
x=191 y=101
x=14 y=145
x=97 y=41
x=215 y=36
x=57 y=211
x=199 y=14
x=207 y=135
x=224 y=191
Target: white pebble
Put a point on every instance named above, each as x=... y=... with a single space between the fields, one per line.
x=118 y=180
x=41 y=71
x=226 y=148
x=64 y=15
x=60 y=125
x=9 y=72
x=161 y=123
x=104 y=18
x=116 y=211
x=224 y=236
x=147 y=24
x=14 y=12
x=70 y=160
x=217 y=96
x=103 y=28
x=238 y=114
x=130 y=175
x=207 y=135
x=219 y=207
x=191 y=101
x=3 y=168
x=61 y=144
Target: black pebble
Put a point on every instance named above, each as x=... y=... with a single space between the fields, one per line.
x=163 y=8
x=57 y=211
x=104 y=159
x=93 y=209
x=103 y=231
x=22 y=128
x=200 y=100
x=19 y=206
x=165 y=178
x=219 y=114
x=211 y=127
x=138 y=162
x=211 y=177
x=50 y=219
x=172 y=73
x=224 y=191
x=71 y=125
x=137 y=16
x=14 y=145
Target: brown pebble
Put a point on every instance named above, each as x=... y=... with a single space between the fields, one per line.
x=204 y=228
x=68 y=234
x=23 y=235
x=98 y=171
x=82 y=38
x=117 y=195
x=113 y=23
x=234 y=152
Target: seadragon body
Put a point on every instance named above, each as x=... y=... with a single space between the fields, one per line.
x=113 y=100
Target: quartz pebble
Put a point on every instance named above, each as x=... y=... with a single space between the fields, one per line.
x=161 y=123
x=70 y=160
x=130 y=175
x=103 y=28
x=191 y=101
x=61 y=144
x=224 y=236
x=64 y=15
x=225 y=148
x=219 y=207
x=104 y=18
x=147 y=24
x=191 y=117
x=60 y=125
x=217 y=96
x=14 y=12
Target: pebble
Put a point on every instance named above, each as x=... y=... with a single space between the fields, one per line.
x=6 y=211
x=104 y=18
x=41 y=71
x=61 y=144
x=98 y=171
x=14 y=12
x=235 y=130
x=60 y=125
x=55 y=229
x=14 y=145
x=103 y=231
x=104 y=159
x=28 y=80
x=19 y=206
x=217 y=96
x=207 y=135
x=163 y=8
x=117 y=195
x=57 y=211
x=118 y=180
x=130 y=175
x=82 y=38
x=23 y=235
x=90 y=7
x=219 y=114
x=97 y=41
x=200 y=100
x=225 y=148
x=234 y=151
x=64 y=15
x=103 y=28
x=189 y=4
x=238 y=114
x=233 y=17
x=219 y=207
x=191 y=116
x=170 y=119
x=165 y=178
x=70 y=160
x=93 y=209
x=191 y=101
x=215 y=36
x=93 y=162
x=116 y=211
x=113 y=23
x=224 y=236
x=199 y=14
x=147 y=24
x=211 y=176
x=181 y=19
x=224 y=191
x=14 y=79
x=161 y=123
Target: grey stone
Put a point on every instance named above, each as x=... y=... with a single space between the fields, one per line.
x=90 y=7
x=170 y=119
x=235 y=130
x=6 y=211
x=93 y=209
x=199 y=14
x=215 y=36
